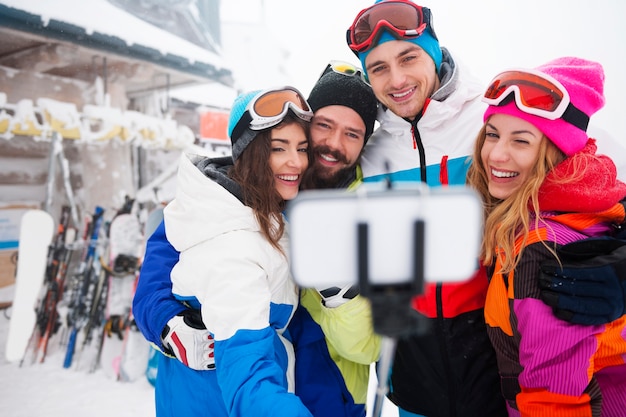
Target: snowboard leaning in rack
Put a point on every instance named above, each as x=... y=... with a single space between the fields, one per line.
x=36 y=230
x=123 y=351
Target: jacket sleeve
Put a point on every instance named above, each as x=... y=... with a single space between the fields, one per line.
x=556 y=357
x=252 y=384
x=348 y=328
x=246 y=296
x=153 y=304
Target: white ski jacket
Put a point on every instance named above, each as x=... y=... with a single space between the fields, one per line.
x=244 y=289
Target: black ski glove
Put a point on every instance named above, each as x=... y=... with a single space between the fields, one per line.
x=590 y=288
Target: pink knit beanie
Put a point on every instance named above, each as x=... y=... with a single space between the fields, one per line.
x=584 y=81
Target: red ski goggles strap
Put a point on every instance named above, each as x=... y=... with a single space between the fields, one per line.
x=535 y=93
x=345 y=68
x=402 y=18
x=270 y=107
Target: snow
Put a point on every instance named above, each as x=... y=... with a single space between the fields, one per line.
x=49 y=390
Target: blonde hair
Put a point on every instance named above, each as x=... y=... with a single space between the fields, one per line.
x=509 y=219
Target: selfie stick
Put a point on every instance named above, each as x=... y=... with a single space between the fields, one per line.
x=392 y=314
x=379 y=238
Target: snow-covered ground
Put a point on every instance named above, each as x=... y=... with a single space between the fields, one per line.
x=49 y=390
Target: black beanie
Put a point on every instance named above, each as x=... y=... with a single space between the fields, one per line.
x=343 y=90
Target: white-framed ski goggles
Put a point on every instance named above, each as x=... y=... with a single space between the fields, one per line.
x=269 y=107
x=535 y=93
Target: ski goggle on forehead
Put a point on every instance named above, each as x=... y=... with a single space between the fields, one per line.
x=270 y=107
x=535 y=93
x=402 y=18
x=345 y=68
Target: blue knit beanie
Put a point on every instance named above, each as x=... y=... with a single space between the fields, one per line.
x=240 y=141
x=426 y=41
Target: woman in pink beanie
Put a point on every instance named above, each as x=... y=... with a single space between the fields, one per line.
x=544 y=187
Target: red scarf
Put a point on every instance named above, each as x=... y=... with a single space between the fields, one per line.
x=597 y=189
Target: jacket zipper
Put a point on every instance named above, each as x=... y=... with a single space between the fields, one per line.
x=417 y=144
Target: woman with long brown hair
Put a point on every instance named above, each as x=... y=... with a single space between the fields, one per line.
x=227 y=223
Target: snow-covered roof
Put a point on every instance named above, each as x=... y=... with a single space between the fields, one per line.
x=101 y=25
x=95 y=124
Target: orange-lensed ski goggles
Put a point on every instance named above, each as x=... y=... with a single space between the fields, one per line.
x=535 y=93
x=402 y=18
x=267 y=109
x=270 y=107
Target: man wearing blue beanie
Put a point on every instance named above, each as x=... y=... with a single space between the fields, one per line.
x=430 y=113
x=427 y=40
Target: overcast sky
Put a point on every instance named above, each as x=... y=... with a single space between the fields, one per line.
x=486 y=35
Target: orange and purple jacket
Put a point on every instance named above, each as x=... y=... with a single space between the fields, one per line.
x=549 y=367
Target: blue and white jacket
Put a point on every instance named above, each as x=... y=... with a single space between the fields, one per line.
x=246 y=295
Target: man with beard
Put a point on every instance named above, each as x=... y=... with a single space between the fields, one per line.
x=345 y=111
x=331 y=330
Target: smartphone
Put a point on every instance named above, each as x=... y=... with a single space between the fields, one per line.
x=323 y=227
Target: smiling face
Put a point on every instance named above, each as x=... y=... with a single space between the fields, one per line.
x=288 y=158
x=337 y=138
x=402 y=76
x=509 y=153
